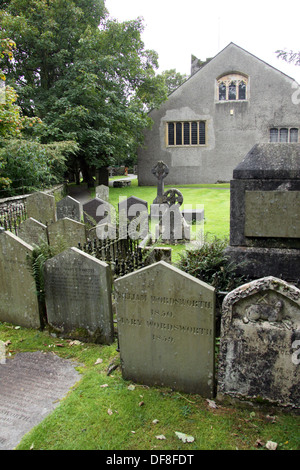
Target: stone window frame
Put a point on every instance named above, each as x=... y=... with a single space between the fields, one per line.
x=183 y=134
x=228 y=87
x=277 y=134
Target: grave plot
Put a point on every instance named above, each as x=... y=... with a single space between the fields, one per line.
x=78 y=296
x=18 y=300
x=260 y=343
x=166 y=325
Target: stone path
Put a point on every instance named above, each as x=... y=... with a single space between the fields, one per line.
x=31 y=386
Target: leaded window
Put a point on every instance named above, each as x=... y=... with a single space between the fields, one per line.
x=187 y=133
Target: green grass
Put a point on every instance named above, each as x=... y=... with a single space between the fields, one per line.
x=82 y=421
x=214 y=197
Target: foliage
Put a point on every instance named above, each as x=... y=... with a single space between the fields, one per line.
x=32 y=165
x=173 y=79
x=209 y=263
x=290 y=57
x=87 y=83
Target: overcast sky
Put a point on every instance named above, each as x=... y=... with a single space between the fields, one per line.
x=175 y=30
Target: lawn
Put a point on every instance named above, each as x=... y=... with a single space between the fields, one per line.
x=105 y=412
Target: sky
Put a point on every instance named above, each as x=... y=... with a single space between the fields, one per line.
x=176 y=30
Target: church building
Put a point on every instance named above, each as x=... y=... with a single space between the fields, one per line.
x=209 y=123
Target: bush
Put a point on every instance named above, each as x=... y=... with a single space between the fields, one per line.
x=209 y=263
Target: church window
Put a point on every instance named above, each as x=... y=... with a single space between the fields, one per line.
x=187 y=133
x=284 y=134
x=232 y=87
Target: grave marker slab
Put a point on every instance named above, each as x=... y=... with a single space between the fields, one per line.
x=70 y=231
x=33 y=232
x=102 y=192
x=95 y=211
x=18 y=300
x=78 y=296
x=31 y=385
x=166 y=324
x=41 y=206
x=70 y=208
x=260 y=343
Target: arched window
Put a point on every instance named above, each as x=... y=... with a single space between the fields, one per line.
x=232 y=87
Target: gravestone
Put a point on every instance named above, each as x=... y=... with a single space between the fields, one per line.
x=102 y=192
x=260 y=343
x=133 y=206
x=78 y=296
x=70 y=208
x=160 y=171
x=69 y=231
x=18 y=300
x=33 y=232
x=41 y=207
x=265 y=212
x=95 y=210
x=31 y=385
x=166 y=322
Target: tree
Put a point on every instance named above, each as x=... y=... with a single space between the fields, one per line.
x=95 y=85
x=173 y=79
x=290 y=57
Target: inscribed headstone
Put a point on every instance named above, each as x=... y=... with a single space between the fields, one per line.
x=33 y=232
x=166 y=324
x=31 y=385
x=70 y=208
x=69 y=231
x=18 y=300
x=78 y=296
x=41 y=206
x=260 y=343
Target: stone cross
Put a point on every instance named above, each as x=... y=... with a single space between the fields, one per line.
x=160 y=170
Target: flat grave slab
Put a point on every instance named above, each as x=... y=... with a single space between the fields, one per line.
x=31 y=385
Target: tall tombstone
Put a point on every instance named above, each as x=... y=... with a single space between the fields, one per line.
x=18 y=299
x=41 y=207
x=260 y=343
x=69 y=207
x=33 y=232
x=95 y=210
x=78 y=296
x=166 y=328
x=265 y=212
x=69 y=231
x=160 y=171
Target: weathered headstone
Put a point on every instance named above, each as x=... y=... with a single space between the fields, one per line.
x=102 y=192
x=260 y=343
x=41 y=206
x=78 y=296
x=33 y=232
x=166 y=324
x=95 y=210
x=31 y=385
x=18 y=300
x=69 y=231
x=70 y=208
x=264 y=215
